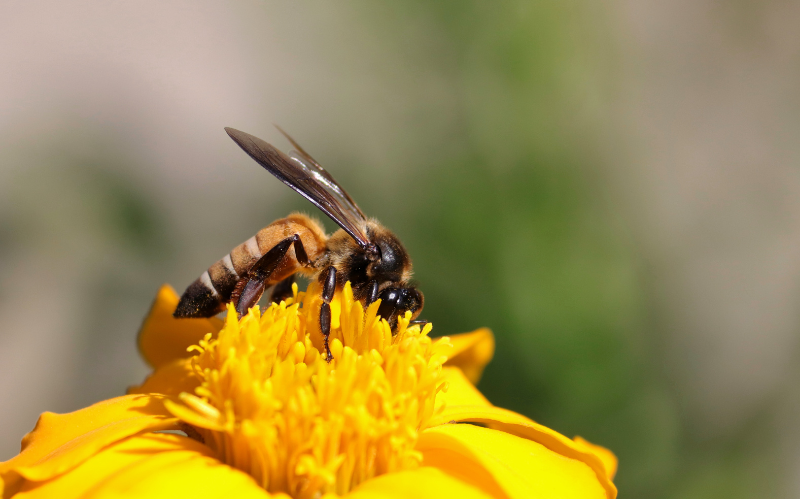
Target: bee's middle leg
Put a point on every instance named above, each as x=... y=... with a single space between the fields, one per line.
x=250 y=287
x=328 y=288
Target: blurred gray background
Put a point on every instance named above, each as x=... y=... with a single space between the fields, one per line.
x=613 y=188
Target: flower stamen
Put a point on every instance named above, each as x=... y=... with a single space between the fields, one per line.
x=270 y=405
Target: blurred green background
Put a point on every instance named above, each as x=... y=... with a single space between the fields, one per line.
x=612 y=188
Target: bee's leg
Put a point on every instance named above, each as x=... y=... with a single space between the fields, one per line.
x=250 y=287
x=282 y=290
x=300 y=251
x=249 y=294
x=372 y=292
x=328 y=287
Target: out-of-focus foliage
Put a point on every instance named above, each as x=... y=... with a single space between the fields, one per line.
x=516 y=232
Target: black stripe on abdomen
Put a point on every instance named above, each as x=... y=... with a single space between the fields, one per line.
x=199 y=300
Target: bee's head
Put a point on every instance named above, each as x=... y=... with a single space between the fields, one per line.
x=388 y=258
x=383 y=260
x=395 y=302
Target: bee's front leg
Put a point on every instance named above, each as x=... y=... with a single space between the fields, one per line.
x=372 y=292
x=328 y=288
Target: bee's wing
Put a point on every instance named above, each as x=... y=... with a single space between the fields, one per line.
x=301 y=155
x=310 y=180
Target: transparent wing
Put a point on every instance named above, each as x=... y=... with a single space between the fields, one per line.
x=304 y=175
x=310 y=163
x=327 y=183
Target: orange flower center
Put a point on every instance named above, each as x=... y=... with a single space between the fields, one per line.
x=270 y=405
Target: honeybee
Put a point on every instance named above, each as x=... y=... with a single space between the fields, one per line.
x=363 y=251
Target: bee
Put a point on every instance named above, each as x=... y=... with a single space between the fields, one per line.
x=362 y=251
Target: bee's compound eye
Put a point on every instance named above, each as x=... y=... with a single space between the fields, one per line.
x=390 y=297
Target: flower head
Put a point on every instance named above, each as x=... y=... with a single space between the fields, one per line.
x=264 y=413
x=270 y=405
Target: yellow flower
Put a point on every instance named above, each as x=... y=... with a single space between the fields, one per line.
x=262 y=414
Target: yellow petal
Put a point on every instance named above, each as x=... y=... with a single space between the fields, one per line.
x=470 y=352
x=606 y=456
x=460 y=391
x=171 y=378
x=153 y=466
x=164 y=338
x=516 y=424
x=59 y=442
x=517 y=466
x=422 y=483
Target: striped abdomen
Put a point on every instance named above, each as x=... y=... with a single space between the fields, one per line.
x=207 y=295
